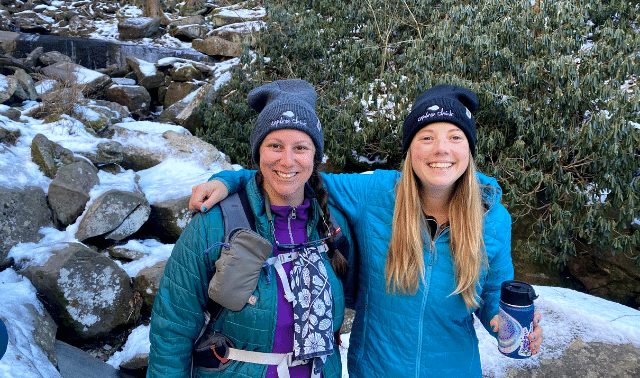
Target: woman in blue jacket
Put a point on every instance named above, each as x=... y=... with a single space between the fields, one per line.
x=435 y=246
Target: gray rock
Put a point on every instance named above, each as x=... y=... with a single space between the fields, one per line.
x=89 y=80
x=147 y=283
x=177 y=91
x=216 y=46
x=184 y=112
x=8 y=86
x=185 y=72
x=75 y=363
x=587 y=359
x=89 y=295
x=44 y=334
x=23 y=211
x=48 y=155
x=121 y=253
x=138 y=27
x=113 y=110
x=169 y=218
x=115 y=214
x=109 y=153
x=135 y=97
x=69 y=190
x=189 y=20
x=11 y=113
x=189 y=32
x=146 y=73
x=244 y=33
x=25 y=90
x=53 y=57
x=237 y=13
x=32 y=22
x=94 y=118
x=9 y=137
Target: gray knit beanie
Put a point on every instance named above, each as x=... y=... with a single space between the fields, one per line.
x=285 y=104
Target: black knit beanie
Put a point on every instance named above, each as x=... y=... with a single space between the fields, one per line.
x=285 y=104
x=442 y=103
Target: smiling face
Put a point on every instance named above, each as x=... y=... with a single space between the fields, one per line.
x=286 y=163
x=439 y=156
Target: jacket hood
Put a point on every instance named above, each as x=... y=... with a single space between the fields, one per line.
x=491 y=190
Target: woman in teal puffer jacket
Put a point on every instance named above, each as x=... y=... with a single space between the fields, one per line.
x=286 y=327
x=435 y=246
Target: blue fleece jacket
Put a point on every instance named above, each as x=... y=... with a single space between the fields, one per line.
x=430 y=333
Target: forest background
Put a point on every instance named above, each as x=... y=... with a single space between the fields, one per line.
x=558 y=124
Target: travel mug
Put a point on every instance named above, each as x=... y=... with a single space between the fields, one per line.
x=515 y=318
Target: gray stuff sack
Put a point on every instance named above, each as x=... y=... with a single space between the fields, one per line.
x=238 y=268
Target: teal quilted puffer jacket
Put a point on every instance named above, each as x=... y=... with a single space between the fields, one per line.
x=178 y=310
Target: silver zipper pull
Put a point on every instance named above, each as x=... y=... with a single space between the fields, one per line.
x=293 y=214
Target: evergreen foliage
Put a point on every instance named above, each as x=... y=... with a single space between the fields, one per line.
x=559 y=123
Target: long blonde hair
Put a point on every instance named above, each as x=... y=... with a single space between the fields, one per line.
x=405 y=258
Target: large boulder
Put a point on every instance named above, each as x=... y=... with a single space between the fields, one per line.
x=184 y=112
x=177 y=91
x=89 y=81
x=9 y=137
x=615 y=277
x=147 y=282
x=88 y=293
x=8 y=86
x=48 y=155
x=185 y=72
x=135 y=97
x=23 y=211
x=216 y=46
x=169 y=218
x=26 y=89
x=587 y=359
x=242 y=32
x=237 y=13
x=138 y=27
x=146 y=73
x=114 y=215
x=53 y=57
x=189 y=32
x=69 y=190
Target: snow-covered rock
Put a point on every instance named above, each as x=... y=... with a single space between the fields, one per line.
x=90 y=294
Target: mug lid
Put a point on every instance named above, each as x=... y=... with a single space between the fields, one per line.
x=517 y=293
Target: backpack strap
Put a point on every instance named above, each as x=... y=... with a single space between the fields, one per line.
x=236 y=214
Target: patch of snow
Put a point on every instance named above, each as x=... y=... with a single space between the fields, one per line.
x=123 y=81
x=173 y=178
x=153 y=251
x=23 y=358
x=238 y=12
x=152 y=127
x=137 y=344
x=45 y=86
x=243 y=27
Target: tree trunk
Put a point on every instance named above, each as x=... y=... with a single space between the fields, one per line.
x=153 y=8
